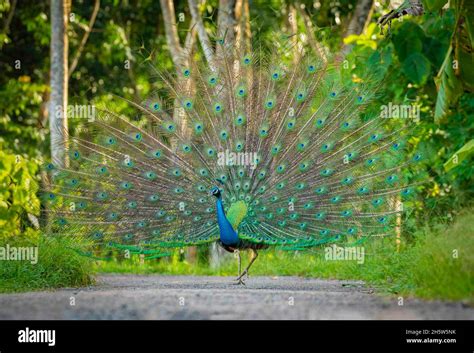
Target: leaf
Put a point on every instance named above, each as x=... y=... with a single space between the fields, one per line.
x=433 y=5
x=363 y=39
x=465 y=40
x=408 y=40
x=463 y=153
x=435 y=51
x=469 y=14
x=449 y=89
x=467 y=70
x=417 y=68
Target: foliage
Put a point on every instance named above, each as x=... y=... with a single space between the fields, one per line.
x=443 y=261
x=18 y=201
x=412 y=55
x=57 y=266
x=460 y=155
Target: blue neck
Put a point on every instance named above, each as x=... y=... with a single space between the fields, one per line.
x=227 y=234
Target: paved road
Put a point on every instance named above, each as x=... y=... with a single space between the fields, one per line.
x=198 y=297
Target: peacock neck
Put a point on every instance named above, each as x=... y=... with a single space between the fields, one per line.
x=228 y=235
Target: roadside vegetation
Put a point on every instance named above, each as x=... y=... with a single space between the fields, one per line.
x=57 y=266
x=437 y=264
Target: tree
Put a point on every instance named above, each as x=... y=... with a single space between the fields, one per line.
x=59 y=81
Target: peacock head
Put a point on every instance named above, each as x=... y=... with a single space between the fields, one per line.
x=215 y=191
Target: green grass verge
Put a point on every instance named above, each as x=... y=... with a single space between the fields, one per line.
x=428 y=268
x=57 y=266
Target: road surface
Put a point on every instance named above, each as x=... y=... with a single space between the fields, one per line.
x=201 y=297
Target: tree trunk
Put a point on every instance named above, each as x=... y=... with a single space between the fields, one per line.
x=226 y=21
x=361 y=17
x=59 y=81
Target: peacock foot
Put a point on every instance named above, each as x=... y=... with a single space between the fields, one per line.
x=244 y=274
x=239 y=281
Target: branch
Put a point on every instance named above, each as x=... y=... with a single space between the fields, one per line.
x=190 y=39
x=87 y=32
x=243 y=27
x=246 y=17
x=202 y=34
x=362 y=15
x=6 y=27
x=293 y=22
x=226 y=20
x=410 y=7
x=360 y=19
x=313 y=42
x=171 y=30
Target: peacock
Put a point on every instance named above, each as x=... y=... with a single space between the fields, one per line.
x=258 y=149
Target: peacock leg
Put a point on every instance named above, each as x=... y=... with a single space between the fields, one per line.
x=240 y=262
x=246 y=271
x=239 y=278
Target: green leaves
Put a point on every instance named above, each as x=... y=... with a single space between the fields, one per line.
x=464 y=43
x=433 y=5
x=417 y=68
x=449 y=88
x=408 y=40
x=463 y=153
x=457 y=69
x=364 y=39
x=17 y=193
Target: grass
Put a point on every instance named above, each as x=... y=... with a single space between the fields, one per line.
x=439 y=264
x=57 y=266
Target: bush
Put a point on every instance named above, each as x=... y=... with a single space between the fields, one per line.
x=58 y=266
x=19 y=204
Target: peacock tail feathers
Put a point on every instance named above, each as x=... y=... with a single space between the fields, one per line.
x=300 y=157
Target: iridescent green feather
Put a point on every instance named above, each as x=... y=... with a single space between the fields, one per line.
x=236 y=213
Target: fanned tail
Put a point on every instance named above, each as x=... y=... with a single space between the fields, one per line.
x=293 y=138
